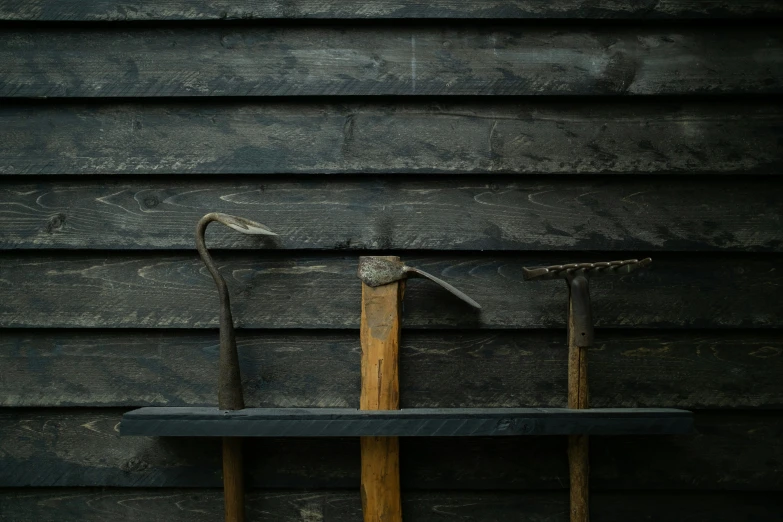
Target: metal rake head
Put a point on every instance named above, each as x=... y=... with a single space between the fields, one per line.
x=587 y=269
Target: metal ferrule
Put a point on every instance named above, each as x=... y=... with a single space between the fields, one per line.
x=581 y=310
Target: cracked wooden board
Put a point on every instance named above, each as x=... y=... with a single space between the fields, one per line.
x=390 y=60
x=146 y=10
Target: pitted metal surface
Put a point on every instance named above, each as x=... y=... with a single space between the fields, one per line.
x=377 y=271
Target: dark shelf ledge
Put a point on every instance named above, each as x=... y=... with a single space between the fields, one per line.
x=419 y=422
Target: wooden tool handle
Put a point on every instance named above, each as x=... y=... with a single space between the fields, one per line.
x=380 y=339
x=578 y=445
x=233 y=480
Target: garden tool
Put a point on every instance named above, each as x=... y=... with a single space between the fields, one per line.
x=383 y=286
x=229 y=381
x=580 y=338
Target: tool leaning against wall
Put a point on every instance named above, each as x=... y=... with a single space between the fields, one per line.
x=229 y=380
x=383 y=286
x=580 y=338
x=379 y=421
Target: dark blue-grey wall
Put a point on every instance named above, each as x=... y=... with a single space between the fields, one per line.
x=471 y=138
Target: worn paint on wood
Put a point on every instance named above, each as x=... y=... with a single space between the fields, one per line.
x=470 y=213
x=248 y=60
x=81 y=447
x=131 y=10
x=534 y=137
x=280 y=291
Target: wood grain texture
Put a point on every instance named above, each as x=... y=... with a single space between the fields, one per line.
x=233 y=480
x=465 y=213
x=132 y=10
x=439 y=369
x=579 y=477
x=204 y=505
x=81 y=447
x=248 y=60
x=614 y=136
x=380 y=331
x=578 y=398
x=280 y=291
x=380 y=479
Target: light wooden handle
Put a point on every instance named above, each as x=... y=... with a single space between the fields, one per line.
x=380 y=339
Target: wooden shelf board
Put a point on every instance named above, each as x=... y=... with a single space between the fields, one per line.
x=419 y=422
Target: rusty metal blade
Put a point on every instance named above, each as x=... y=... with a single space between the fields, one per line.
x=444 y=284
x=243 y=225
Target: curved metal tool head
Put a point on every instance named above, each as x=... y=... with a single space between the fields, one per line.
x=586 y=269
x=240 y=224
x=229 y=380
x=377 y=271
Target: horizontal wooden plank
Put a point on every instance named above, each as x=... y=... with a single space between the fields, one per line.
x=81 y=447
x=541 y=137
x=128 y=10
x=439 y=214
x=248 y=60
x=202 y=505
x=274 y=290
x=438 y=369
x=408 y=422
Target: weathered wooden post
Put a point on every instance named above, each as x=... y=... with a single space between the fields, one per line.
x=383 y=287
x=229 y=381
x=381 y=325
x=580 y=338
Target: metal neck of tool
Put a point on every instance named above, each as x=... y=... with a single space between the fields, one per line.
x=577 y=277
x=581 y=310
x=229 y=380
x=378 y=270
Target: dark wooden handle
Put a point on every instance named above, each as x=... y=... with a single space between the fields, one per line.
x=578 y=398
x=233 y=480
x=578 y=463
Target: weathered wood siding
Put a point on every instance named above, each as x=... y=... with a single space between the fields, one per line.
x=471 y=138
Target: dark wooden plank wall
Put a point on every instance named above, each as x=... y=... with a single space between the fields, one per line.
x=635 y=128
